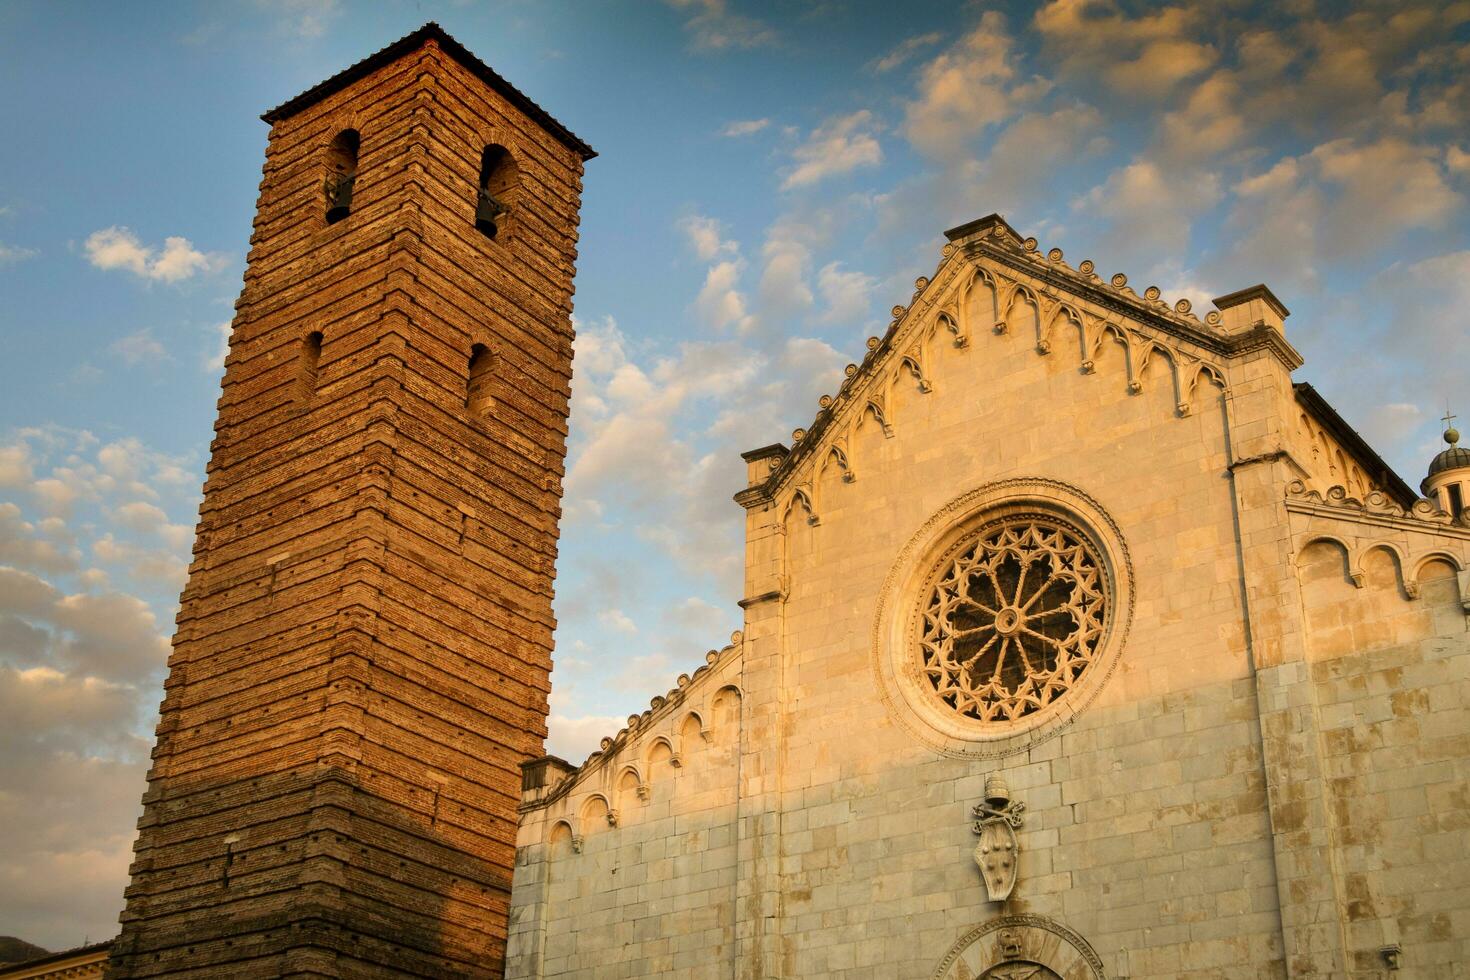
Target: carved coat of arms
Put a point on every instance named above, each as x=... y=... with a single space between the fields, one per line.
x=998 y=852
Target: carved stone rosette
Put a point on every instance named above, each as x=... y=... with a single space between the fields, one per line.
x=1002 y=618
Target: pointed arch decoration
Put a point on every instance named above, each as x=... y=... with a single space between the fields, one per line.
x=913 y=363
x=838 y=455
x=950 y=321
x=874 y=409
x=801 y=498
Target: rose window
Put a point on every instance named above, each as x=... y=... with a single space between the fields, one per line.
x=1014 y=619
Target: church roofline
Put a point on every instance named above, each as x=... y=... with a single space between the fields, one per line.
x=1355 y=444
x=61 y=957
x=994 y=237
x=412 y=42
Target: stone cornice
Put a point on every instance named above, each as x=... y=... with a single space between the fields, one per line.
x=753 y=497
x=1116 y=295
x=1377 y=509
x=1266 y=338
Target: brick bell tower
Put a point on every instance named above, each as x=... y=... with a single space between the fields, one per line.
x=362 y=655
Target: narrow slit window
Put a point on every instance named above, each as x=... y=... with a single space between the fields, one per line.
x=478 y=397
x=498 y=178
x=341 y=175
x=311 y=355
x=1457 y=499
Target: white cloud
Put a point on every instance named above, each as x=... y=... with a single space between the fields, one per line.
x=80 y=665
x=304 y=18
x=161 y=565
x=906 y=50
x=131 y=487
x=967 y=88
x=617 y=620
x=720 y=303
x=140 y=516
x=15 y=253
x=146 y=518
x=1342 y=199
x=783 y=286
x=216 y=361
x=140 y=347
x=847 y=294
x=73 y=762
x=1150 y=210
x=1396 y=182
x=1428 y=302
x=838 y=146
x=118 y=248
x=575 y=738
x=1143 y=57
x=714 y=27
x=698 y=614
x=111 y=635
x=745 y=127
x=646 y=451
x=56 y=495
x=27 y=546
x=1009 y=176
x=15 y=465
x=1161 y=66
x=706 y=237
x=1392 y=424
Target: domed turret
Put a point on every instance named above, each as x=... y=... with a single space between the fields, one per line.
x=1448 y=482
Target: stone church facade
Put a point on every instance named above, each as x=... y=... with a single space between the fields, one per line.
x=1079 y=641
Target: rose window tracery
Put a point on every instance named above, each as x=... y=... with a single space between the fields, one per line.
x=1015 y=617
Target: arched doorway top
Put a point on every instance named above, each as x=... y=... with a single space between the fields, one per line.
x=1020 y=947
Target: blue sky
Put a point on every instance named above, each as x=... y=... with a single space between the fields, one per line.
x=772 y=178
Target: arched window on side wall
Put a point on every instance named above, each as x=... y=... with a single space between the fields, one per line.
x=306 y=369
x=478 y=396
x=499 y=176
x=341 y=174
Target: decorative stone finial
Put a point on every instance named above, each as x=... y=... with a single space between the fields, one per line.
x=997 y=793
x=1451 y=434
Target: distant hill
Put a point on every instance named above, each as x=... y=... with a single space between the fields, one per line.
x=14 y=950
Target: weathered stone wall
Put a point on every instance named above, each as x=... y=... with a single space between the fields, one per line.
x=363 y=648
x=1389 y=662
x=629 y=869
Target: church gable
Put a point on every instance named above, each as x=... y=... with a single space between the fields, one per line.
x=991 y=282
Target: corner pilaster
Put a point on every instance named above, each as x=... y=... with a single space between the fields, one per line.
x=1258 y=410
x=760 y=778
